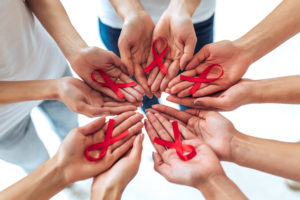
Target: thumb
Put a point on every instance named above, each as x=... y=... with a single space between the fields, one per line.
x=209 y=102
x=137 y=149
x=160 y=166
x=188 y=51
x=126 y=58
x=200 y=57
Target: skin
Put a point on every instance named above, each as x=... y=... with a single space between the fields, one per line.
x=135 y=38
x=176 y=26
x=203 y=172
x=82 y=58
x=74 y=93
x=231 y=145
x=69 y=164
x=275 y=90
x=236 y=56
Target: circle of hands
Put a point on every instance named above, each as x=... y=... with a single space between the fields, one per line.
x=208 y=131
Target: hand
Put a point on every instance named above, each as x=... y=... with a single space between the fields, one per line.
x=71 y=152
x=135 y=44
x=241 y=93
x=210 y=126
x=226 y=53
x=195 y=172
x=111 y=183
x=177 y=27
x=82 y=99
x=92 y=58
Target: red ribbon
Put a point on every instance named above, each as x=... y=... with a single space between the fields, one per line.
x=177 y=144
x=103 y=146
x=202 y=78
x=158 y=58
x=109 y=83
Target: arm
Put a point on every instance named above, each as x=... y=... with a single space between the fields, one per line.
x=275 y=90
x=203 y=172
x=175 y=24
x=274 y=157
x=42 y=183
x=236 y=56
x=280 y=25
x=83 y=59
x=135 y=39
x=69 y=163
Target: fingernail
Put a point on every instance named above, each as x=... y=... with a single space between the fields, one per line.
x=198 y=103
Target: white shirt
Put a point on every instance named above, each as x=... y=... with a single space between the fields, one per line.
x=155 y=8
x=27 y=52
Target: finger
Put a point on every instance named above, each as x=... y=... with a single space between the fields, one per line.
x=161 y=167
x=185 y=93
x=177 y=79
x=133 y=130
x=152 y=75
x=160 y=130
x=92 y=127
x=172 y=72
x=210 y=89
x=187 y=101
x=185 y=133
x=127 y=79
x=121 y=150
x=107 y=91
x=210 y=102
x=188 y=51
x=177 y=114
x=151 y=132
x=127 y=124
x=200 y=57
x=165 y=123
x=137 y=149
x=88 y=110
x=156 y=84
x=141 y=78
x=129 y=97
x=118 y=110
x=180 y=87
x=126 y=57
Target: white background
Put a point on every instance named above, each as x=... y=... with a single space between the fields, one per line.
x=280 y=122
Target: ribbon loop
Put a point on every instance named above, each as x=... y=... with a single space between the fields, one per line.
x=180 y=148
x=202 y=78
x=103 y=146
x=109 y=83
x=158 y=58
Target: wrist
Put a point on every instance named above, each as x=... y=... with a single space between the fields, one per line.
x=245 y=52
x=183 y=7
x=106 y=192
x=239 y=148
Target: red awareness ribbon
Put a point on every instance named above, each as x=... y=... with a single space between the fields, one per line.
x=109 y=83
x=177 y=144
x=202 y=78
x=158 y=58
x=103 y=146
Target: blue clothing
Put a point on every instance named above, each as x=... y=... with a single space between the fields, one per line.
x=110 y=36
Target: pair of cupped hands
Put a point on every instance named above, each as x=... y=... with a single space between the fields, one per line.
x=135 y=43
x=208 y=131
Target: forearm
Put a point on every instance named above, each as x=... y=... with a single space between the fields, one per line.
x=184 y=6
x=277 y=27
x=221 y=187
x=106 y=193
x=54 y=18
x=276 y=90
x=17 y=91
x=43 y=183
x=127 y=8
x=274 y=157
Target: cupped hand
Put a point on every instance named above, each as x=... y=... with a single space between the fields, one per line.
x=71 y=152
x=135 y=44
x=229 y=55
x=120 y=174
x=92 y=58
x=239 y=94
x=194 y=172
x=179 y=31
x=210 y=126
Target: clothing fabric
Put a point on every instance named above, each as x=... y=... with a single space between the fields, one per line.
x=155 y=8
x=110 y=36
x=27 y=52
x=22 y=146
